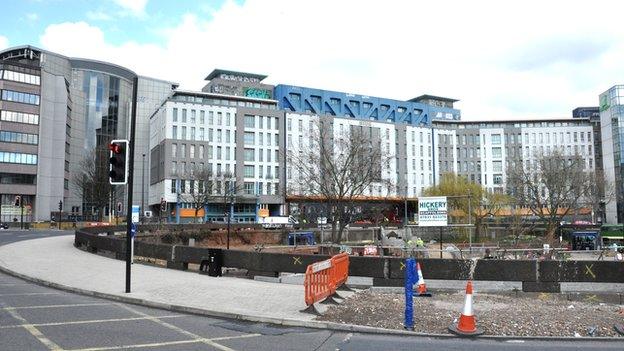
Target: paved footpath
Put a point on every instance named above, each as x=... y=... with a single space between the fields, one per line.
x=56 y=260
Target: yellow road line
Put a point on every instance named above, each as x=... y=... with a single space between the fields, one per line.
x=180 y=330
x=54 y=306
x=52 y=324
x=35 y=332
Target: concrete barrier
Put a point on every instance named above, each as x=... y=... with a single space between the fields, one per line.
x=536 y=276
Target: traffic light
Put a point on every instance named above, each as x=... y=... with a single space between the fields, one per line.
x=18 y=200
x=60 y=205
x=118 y=163
x=163 y=205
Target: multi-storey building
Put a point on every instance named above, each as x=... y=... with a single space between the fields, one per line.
x=55 y=110
x=611 y=122
x=237 y=137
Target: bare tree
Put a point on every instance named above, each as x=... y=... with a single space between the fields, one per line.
x=551 y=187
x=201 y=183
x=91 y=180
x=339 y=169
x=600 y=192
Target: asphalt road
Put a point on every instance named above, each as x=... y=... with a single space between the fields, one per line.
x=34 y=317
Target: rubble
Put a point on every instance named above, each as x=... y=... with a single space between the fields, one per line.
x=496 y=314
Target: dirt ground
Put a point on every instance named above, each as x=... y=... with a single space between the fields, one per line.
x=496 y=314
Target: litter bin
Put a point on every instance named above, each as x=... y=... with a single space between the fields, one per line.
x=213 y=263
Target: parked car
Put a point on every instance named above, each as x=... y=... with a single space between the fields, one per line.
x=4 y=225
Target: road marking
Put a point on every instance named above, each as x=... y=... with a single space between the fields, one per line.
x=51 y=324
x=31 y=294
x=55 y=306
x=588 y=270
x=178 y=329
x=516 y=341
x=168 y=343
x=35 y=332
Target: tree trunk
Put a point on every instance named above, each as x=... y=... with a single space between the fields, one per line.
x=334 y=240
x=196 y=211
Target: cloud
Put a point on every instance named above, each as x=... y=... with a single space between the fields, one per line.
x=501 y=60
x=32 y=16
x=98 y=16
x=4 y=42
x=137 y=7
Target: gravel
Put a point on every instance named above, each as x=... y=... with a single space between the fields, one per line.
x=540 y=315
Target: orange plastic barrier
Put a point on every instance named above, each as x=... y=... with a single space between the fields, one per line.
x=341 y=269
x=324 y=277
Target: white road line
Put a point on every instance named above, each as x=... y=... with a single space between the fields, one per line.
x=35 y=332
x=179 y=330
x=235 y=337
x=52 y=324
x=31 y=294
x=55 y=306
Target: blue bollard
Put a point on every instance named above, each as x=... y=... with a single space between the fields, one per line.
x=410 y=266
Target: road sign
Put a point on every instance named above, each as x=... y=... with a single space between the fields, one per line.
x=135 y=213
x=432 y=211
x=263 y=212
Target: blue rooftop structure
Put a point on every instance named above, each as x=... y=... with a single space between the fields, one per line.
x=419 y=111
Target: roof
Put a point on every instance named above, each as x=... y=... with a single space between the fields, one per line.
x=216 y=95
x=426 y=96
x=537 y=120
x=216 y=72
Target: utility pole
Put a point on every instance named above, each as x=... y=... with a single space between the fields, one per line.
x=143 y=189
x=21 y=211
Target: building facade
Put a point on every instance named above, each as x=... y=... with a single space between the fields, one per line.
x=56 y=111
x=611 y=122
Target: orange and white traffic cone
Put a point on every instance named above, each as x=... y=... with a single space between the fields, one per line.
x=466 y=326
x=421 y=287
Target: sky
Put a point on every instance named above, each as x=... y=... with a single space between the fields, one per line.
x=501 y=59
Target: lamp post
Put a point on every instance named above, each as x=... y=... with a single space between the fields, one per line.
x=143 y=187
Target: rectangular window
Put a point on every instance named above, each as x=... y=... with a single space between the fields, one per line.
x=219 y=118
x=16 y=96
x=175 y=114
x=174 y=132
x=193 y=115
x=219 y=135
x=249 y=155
x=19 y=117
x=174 y=150
x=497 y=166
x=201 y=151
x=202 y=117
x=22 y=138
x=289 y=124
x=260 y=155
x=227 y=136
x=268 y=158
x=218 y=152
x=183 y=136
x=496 y=152
x=183 y=115
x=183 y=150
x=173 y=186
x=249 y=171
x=210 y=117
x=249 y=138
x=496 y=139
x=227 y=152
x=192 y=151
x=227 y=118
x=14 y=157
x=201 y=134
x=192 y=133
x=174 y=167
x=20 y=77
x=248 y=188
x=250 y=121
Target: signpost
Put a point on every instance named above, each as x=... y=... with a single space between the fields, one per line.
x=135 y=213
x=433 y=212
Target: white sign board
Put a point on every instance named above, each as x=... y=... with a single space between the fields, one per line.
x=319 y=266
x=135 y=214
x=432 y=211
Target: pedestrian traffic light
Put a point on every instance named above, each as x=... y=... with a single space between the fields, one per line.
x=60 y=205
x=118 y=163
x=18 y=200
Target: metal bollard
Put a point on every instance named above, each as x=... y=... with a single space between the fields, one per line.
x=410 y=268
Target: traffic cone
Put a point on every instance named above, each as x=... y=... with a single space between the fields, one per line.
x=421 y=287
x=467 y=322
